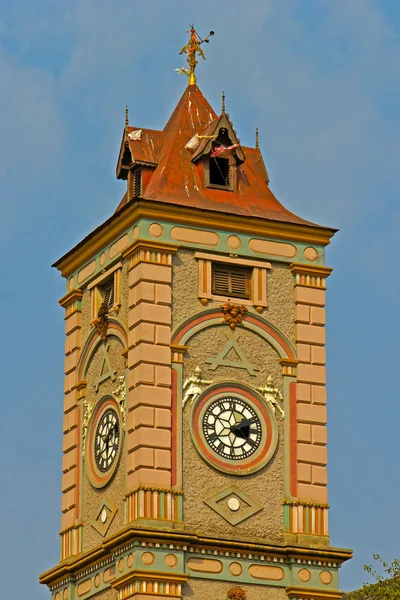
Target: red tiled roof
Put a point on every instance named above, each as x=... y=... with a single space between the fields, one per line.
x=175 y=179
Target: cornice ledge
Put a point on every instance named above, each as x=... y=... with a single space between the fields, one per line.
x=70 y=297
x=149 y=576
x=317 y=594
x=131 y=533
x=298 y=268
x=163 y=247
x=183 y=215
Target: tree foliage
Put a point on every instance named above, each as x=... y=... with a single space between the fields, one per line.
x=386 y=585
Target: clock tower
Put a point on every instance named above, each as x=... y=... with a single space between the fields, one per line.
x=194 y=446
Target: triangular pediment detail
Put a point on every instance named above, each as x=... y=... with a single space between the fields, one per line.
x=212 y=135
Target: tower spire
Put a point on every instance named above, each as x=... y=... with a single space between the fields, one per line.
x=257 y=143
x=126 y=116
x=223 y=102
x=191 y=50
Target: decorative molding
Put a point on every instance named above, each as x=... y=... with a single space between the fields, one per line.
x=233 y=505
x=289 y=366
x=191 y=542
x=251 y=322
x=309 y=275
x=122 y=221
x=245 y=262
x=177 y=353
x=220 y=360
x=258 y=279
x=153 y=503
x=151 y=252
x=115 y=328
x=306 y=517
x=72 y=302
x=168 y=585
x=106 y=512
x=104 y=275
x=295 y=593
x=80 y=389
x=71 y=541
x=104 y=375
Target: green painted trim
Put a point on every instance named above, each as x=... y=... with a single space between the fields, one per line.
x=222 y=247
x=290 y=568
x=180 y=508
x=286 y=517
x=287 y=380
x=162 y=505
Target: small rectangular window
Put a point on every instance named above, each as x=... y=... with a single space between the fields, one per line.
x=233 y=282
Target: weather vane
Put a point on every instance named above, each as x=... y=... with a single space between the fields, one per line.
x=191 y=49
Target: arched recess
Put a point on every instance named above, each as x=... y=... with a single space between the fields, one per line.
x=115 y=328
x=252 y=322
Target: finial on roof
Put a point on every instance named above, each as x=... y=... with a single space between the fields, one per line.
x=191 y=49
x=257 y=144
x=126 y=116
x=223 y=102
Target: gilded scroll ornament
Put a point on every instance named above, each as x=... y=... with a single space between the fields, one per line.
x=272 y=396
x=236 y=593
x=233 y=314
x=193 y=386
x=120 y=394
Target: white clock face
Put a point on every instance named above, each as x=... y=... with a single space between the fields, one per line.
x=107 y=440
x=232 y=428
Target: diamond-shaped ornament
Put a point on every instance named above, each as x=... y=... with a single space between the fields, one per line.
x=233 y=505
x=106 y=512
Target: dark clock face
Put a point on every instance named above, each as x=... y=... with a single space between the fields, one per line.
x=232 y=428
x=107 y=440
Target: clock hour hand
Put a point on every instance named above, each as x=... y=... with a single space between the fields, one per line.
x=242 y=429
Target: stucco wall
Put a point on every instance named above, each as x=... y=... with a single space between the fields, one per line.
x=200 y=479
x=115 y=491
x=200 y=589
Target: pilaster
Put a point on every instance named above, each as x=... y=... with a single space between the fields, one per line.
x=311 y=394
x=149 y=382
x=70 y=537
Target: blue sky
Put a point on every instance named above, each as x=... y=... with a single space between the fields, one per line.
x=320 y=78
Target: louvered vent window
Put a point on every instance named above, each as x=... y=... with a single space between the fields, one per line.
x=108 y=294
x=231 y=281
x=137 y=181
